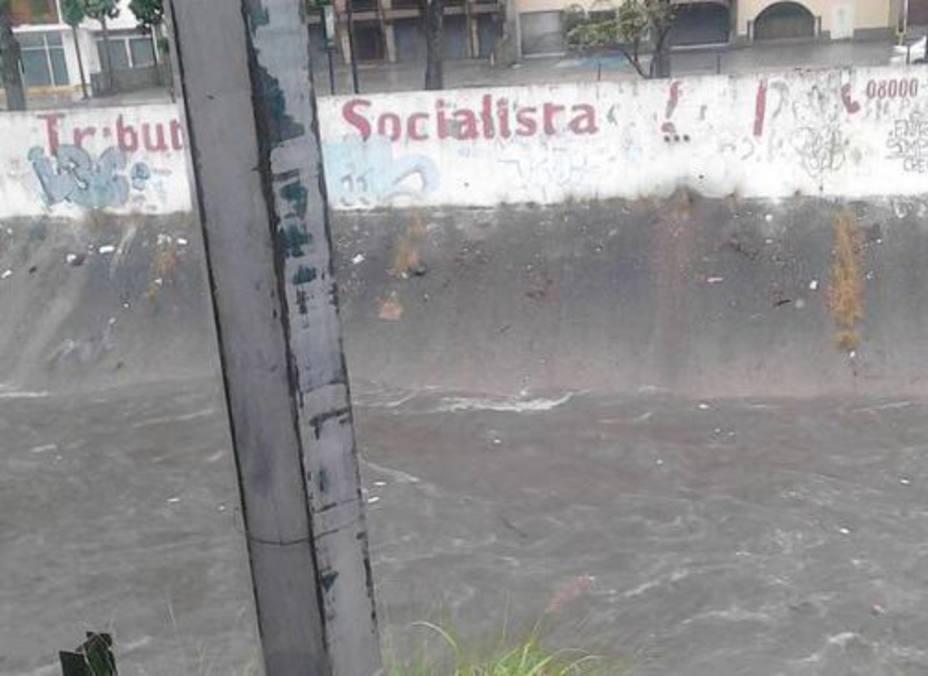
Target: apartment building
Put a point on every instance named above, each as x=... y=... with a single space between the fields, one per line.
x=50 y=52
x=730 y=22
x=390 y=30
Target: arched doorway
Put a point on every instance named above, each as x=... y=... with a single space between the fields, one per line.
x=784 y=20
x=701 y=23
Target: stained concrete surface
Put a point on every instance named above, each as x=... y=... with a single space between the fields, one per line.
x=719 y=536
x=704 y=297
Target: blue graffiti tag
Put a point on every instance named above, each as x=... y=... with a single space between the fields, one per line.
x=365 y=173
x=72 y=175
x=140 y=175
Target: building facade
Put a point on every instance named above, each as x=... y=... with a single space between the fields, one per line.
x=390 y=31
x=730 y=22
x=50 y=51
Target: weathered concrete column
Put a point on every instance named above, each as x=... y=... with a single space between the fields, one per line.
x=250 y=106
x=508 y=49
x=389 y=37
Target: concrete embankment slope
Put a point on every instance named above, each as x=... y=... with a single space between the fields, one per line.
x=714 y=236
x=705 y=297
x=102 y=301
x=708 y=297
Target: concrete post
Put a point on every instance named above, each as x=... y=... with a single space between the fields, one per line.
x=250 y=110
x=389 y=37
x=508 y=48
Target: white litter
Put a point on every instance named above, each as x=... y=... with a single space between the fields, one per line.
x=703 y=407
x=813 y=285
x=70 y=258
x=844 y=531
x=380 y=484
x=106 y=248
x=359 y=258
x=372 y=500
x=497 y=442
x=905 y=481
x=768 y=217
x=182 y=241
x=714 y=280
x=173 y=500
x=6 y=274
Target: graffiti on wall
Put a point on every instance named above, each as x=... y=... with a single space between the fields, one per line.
x=129 y=159
x=148 y=135
x=908 y=141
x=73 y=175
x=842 y=132
x=367 y=173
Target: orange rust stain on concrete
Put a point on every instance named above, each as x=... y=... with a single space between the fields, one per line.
x=407 y=255
x=846 y=287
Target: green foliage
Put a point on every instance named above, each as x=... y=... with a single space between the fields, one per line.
x=72 y=12
x=101 y=9
x=148 y=13
x=628 y=24
x=521 y=658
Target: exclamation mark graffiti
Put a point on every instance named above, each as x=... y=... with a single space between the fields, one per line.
x=669 y=129
x=760 y=108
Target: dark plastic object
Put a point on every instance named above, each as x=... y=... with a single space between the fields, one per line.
x=93 y=657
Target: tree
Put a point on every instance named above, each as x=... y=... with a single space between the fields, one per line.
x=433 y=14
x=10 y=72
x=627 y=28
x=72 y=13
x=101 y=10
x=149 y=14
x=150 y=17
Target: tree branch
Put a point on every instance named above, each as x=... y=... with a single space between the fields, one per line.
x=633 y=60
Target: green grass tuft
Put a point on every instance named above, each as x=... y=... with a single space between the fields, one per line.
x=526 y=657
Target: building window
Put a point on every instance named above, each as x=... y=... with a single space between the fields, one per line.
x=43 y=59
x=128 y=50
x=142 y=51
x=368 y=42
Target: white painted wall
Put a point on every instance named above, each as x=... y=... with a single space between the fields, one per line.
x=841 y=133
x=130 y=160
x=88 y=54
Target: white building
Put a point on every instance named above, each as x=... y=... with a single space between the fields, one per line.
x=50 y=54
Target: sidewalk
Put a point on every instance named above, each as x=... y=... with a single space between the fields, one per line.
x=541 y=70
x=374 y=78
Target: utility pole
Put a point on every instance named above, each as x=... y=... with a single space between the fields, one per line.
x=245 y=71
